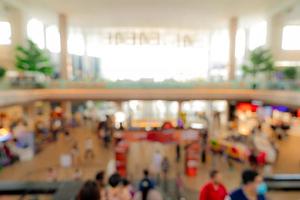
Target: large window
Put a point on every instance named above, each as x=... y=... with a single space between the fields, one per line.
x=290 y=37
x=5 y=33
x=151 y=54
x=240 y=50
x=155 y=62
x=35 y=32
x=218 y=55
x=53 y=39
x=76 y=43
x=258 y=35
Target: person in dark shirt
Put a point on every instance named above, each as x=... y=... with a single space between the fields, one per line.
x=253 y=187
x=214 y=189
x=145 y=185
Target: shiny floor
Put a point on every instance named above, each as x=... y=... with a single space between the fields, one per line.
x=140 y=156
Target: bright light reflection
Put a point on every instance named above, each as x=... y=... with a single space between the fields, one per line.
x=240 y=44
x=258 y=35
x=53 y=39
x=153 y=62
x=76 y=45
x=290 y=37
x=5 y=33
x=35 y=32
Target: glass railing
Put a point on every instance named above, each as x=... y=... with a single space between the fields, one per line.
x=63 y=84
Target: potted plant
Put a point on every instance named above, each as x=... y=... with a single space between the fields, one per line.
x=290 y=73
x=2 y=72
x=260 y=61
x=30 y=58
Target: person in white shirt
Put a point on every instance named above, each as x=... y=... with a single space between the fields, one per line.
x=156 y=165
x=77 y=174
x=89 y=151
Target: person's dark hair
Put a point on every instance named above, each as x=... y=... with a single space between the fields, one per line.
x=125 y=182
x=146 y=172
x=89 y=191
x=248 y=176
x=100 y=178
x=114 y=180
x=213 y=173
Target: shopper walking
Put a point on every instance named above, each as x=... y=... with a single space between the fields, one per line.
x=214 y=189
x=252 y=189
x=89 y=151
x=75 y=153
x=165 y=166
x=147 y=189
x=178 y=152
x=156 y=165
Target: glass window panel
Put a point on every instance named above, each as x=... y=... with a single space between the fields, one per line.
x=53 y=39
x=258 y=35
x=35 y=32
x=290 y=37
x=5 y=33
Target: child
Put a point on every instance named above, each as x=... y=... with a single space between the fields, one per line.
x=51 y=175
x=77 y=174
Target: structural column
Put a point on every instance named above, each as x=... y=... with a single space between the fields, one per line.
x=274 y=36
x=18 y=27
x=67 y=109
x=63 y=31
x=233 y=25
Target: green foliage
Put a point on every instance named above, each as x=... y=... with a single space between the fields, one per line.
x=2 y=72
x=31 y=58
x=260 y=60
x=290 y=73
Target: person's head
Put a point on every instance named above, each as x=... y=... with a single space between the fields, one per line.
x=215 y=176
x=15 y=140
x=100 y=178
x=89 y=191
x=115 y=180
x=67 y=133
x=251 y=179
x=146 y=173
x=50 y=169
x=259 y=127
x=125 y=182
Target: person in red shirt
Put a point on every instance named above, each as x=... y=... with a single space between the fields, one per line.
x=214 y=189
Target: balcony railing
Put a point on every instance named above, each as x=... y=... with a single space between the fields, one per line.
x=65 y=84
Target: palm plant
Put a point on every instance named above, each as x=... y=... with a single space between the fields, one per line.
x=290 y=73
x=31 y=58
x=260 y=61
x=2 y=72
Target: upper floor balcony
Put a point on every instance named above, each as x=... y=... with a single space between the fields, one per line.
x=14 y=92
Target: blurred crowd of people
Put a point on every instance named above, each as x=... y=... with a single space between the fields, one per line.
x=118 y=188
x=252 y=188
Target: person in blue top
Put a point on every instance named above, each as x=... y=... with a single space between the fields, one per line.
x=145 y=185
x=253 y=187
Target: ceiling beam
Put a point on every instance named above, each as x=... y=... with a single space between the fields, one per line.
x=283 y=6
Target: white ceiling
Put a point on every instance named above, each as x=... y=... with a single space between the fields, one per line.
x=157 y=13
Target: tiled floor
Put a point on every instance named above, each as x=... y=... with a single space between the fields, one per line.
x=140 y=156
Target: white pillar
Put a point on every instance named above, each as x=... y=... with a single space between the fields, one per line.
x=67 y=109
x=274 y=36
x=233 y=23
x=63 y=31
